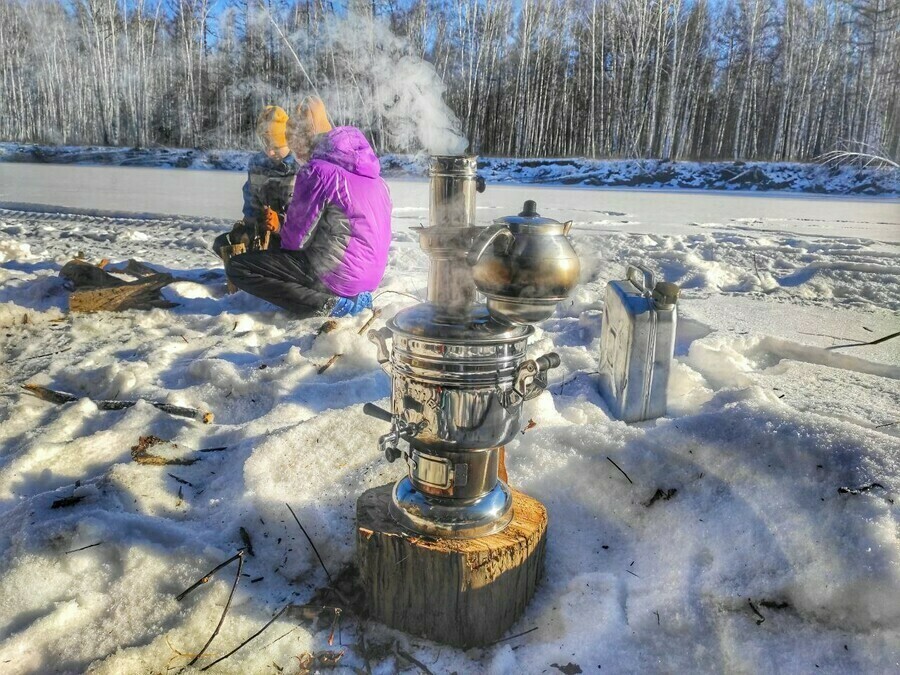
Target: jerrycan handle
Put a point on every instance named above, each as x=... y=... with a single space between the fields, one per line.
x=642 y=278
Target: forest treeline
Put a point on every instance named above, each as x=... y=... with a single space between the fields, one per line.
x=677 y=79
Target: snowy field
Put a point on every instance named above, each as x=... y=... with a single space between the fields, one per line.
x=777 y=551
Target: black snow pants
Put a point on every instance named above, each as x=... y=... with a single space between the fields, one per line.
x=281 y=277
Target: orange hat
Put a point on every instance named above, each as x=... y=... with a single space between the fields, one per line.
x=271 y=127
x=311 y=112
x=309 y=120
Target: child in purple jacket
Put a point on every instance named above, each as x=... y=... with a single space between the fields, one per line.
x=336 y=234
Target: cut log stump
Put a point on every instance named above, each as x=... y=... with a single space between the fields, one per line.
x=96 y=290
x=461 y=592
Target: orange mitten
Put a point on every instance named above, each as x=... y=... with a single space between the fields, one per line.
x=270 y=218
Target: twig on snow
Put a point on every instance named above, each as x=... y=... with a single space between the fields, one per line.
x=330 y=362
x=620 y=469
x=40 y=356
x=251 y=638
x=66 y=501
x=61 y=397
x=361 y=627
x=513 y=637
x=756 y=611
x=664 y=495
x=140 y=454
x=209 y=575
x=315 y=550
x=867 y=344
x=412 y=659
x=756 y=269
x=75 y=550
x=237 y=578
x=245 y=537
x=859 y=490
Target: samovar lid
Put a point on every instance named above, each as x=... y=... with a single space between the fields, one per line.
x=528 y=216
x=430 y=322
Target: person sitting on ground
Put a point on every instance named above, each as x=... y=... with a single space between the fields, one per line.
x=335 y=237
x=269 y=186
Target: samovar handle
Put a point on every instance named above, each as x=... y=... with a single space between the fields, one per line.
x=486 y=238
x=531 y=378
x=379 y=338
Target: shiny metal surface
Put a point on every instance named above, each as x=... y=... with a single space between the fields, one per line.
x=521 y=310
x=451 y=216
x=461 y=475
x=524 y=266
x=453 y=185
x=451 y=518
x=454 y=378
x=459 y=370
x=456 y=417
x=476 y=327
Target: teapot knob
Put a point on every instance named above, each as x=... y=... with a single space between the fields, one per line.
x=529 y=209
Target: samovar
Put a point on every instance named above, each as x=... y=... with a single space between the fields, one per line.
x=459 y=369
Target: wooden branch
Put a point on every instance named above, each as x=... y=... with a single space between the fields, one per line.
x=249 y=639
x=237 y=578
x=209 y=575
x=412 y=659
x=83 y=548
x=375 y=314
x=140 y=454
x=61 y=397
x=866 y=344
x=309 y=539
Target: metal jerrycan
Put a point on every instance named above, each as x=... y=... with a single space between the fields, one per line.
x=637 y=344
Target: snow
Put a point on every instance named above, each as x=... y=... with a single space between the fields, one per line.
x=792 y=177
x=769 y=417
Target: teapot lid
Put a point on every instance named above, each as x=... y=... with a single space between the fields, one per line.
x=528 y=216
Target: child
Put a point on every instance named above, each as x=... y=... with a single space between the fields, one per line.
x=269 y=185
x=336 y=234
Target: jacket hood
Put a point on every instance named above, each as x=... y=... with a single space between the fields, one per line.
x=349 y=149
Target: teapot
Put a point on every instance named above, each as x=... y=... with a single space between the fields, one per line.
x=524 y=265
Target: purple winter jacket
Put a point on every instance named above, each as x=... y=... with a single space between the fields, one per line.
x=340 y=214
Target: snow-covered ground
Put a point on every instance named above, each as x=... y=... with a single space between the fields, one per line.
x=777 y=552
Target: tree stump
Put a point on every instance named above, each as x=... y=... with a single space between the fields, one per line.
x=461 y=592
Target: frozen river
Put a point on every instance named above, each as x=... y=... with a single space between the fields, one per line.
x=217 y=194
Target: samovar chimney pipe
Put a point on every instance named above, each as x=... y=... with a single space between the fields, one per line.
x=451 y=216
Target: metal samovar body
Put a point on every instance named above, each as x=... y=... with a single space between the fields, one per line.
x=459 y=377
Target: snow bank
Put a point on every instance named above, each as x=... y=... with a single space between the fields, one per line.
x=732 y=176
